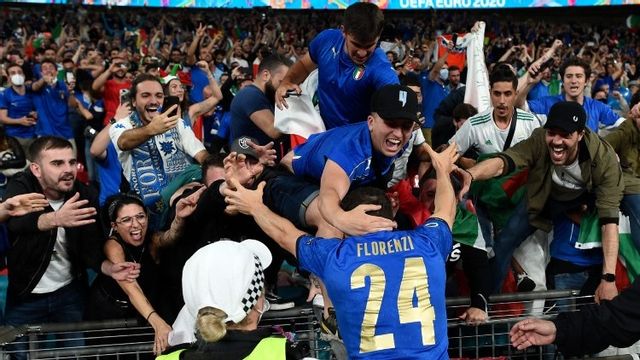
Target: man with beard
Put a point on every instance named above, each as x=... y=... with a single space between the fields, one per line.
x=52 y=248
x=351 y=67
x=570 y=167
x=252 y=108
x=153 y=147
x=111 y=84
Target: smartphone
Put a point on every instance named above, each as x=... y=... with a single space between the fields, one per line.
x=546 y=65
x=125 y=96
x=169 y=101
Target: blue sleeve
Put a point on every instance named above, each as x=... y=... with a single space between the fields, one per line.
x=345 y=157
x=539 y=106
x=438 y=232
x=317 y=44
x=313 y=252
x=607 y=116
x=3 y=100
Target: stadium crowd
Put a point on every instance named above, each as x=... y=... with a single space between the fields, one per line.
x=431 y=146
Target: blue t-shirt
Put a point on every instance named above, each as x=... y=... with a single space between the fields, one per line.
x=109 y=173
x=248 y=100
x=198 y=82
x=398 y=277
x=432 y=95
x=565 y=235
x=540 y=90
x=51 y=104
x=597 y=112
x=350 y=147
x=345 y=89
x=18 y=106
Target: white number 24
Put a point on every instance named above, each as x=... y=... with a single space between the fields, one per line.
x=414 y=281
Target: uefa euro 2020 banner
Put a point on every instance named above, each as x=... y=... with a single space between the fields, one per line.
x=341 y=4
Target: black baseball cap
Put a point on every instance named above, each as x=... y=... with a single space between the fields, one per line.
x=395 y=102
x=241 y=146
x=568 y=116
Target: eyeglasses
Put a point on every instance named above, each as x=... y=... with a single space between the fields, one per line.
x=141 y=218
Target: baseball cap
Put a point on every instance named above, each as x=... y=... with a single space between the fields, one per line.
x=568 y=116
x=241 y=146
x=395 y=102
x=207 y=281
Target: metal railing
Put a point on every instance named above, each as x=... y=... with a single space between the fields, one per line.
x=130 y=339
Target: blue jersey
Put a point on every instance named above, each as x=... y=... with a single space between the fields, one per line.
x=540 y=90
x=348 y=146
x=433 y=93
x=597 y=112
x=18 y=106
x=387 y=288
x=199 y=81
x=51 y=104
x=345 y=89
x=563 y=245
x=109 y=173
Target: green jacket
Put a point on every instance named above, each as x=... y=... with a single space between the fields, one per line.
x=626 y=142
x=598 y=164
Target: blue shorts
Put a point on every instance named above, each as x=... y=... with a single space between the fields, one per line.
x=290 y=196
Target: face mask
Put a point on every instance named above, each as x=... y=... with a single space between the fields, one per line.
x=17 y=79
x=444 y=74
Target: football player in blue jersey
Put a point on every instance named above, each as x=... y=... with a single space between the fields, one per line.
x=387 y=286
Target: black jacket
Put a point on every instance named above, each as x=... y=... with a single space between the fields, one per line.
x=595 y=327
x=31 y=249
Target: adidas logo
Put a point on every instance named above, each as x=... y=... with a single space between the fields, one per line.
x=488 y=142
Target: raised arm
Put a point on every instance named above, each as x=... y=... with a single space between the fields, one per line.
x=249 y=202
x=334 y=185
x=445 y=199
x=295 y=76
x=139 y=300
x=131 y=138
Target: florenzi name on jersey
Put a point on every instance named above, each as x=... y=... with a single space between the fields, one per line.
x=376 y=248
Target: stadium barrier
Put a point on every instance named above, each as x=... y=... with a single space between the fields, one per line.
x=131 y=339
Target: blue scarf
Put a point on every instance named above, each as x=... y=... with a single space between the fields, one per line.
x=148 y=175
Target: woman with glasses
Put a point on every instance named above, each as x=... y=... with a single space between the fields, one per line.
x=130 y=242
x=223 y=308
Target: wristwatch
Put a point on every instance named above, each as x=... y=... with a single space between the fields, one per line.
x=609 y=277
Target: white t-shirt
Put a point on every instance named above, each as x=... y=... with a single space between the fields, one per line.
x=480 y=131
x=168 y=146
x=568 y=176
x=58 y=273
x=400 y=164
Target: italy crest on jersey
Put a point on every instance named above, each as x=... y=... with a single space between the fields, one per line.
x=358 y=73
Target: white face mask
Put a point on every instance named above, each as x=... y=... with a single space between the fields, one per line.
x=17 y=79
x=444 y=74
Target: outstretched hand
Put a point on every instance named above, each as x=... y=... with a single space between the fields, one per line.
x=25 y=203
x=266 y=153
x=186 y=206
x=532 y=332
x=242 y=200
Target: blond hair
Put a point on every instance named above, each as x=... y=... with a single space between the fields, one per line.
x=211 y=324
